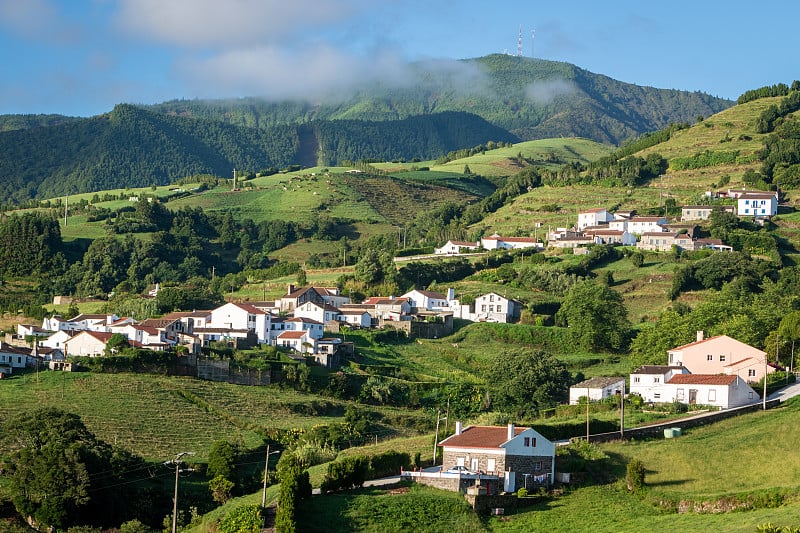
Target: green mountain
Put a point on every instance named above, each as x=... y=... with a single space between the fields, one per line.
x=531 y=98
x=134 y=147
x=495 y=98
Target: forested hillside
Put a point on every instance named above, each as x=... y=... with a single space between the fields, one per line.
x=133 y=147
x=531 y=98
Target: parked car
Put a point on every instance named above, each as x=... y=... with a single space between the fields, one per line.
x=459 y=469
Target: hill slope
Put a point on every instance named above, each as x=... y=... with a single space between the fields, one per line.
x=531 y=98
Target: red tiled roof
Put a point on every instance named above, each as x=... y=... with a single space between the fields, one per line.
x=654 y=369
x=702 y=379
x=695 y=343
x=250 y=309
x=292 y=335
x=481 y=437
x=304 y=320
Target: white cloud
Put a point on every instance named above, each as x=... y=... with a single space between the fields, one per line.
x=543 y=92
x=229 y=23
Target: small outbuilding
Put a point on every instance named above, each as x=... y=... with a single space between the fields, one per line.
x=598 y=388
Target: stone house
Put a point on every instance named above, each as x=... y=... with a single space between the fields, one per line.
x=521 y=455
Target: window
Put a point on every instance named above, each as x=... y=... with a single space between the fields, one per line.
x=636 y=379
x=657 y=396
x=499 y=310
x=656 y=379
x=490 y=465
x=533 y=440
x=537 y=465
x=491 y=309
x=527 y=442
x=491 y=297
x=751 y=373
x=712 y=395
x=483 y=308
x=750 y=395
x=680 y=394
x=709 y=357
x=721 y=358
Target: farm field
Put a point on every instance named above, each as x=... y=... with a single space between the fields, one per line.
x=157 y=416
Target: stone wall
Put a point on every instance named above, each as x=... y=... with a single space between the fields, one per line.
x=484 y=503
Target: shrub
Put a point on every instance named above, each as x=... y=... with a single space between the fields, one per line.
x=635 y=475
x=244 y=519
x=522 y=493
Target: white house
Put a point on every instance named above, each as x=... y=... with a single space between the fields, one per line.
x=322 y=313
x=12 y=357
x=522 y=455
x=87 y=343
x=703 y=212
x=598 y=388
x=456 y=247
x=390 y=308
x=594 y=217
x=299 y=341
x=313 y=327
x=609 y=236
x=492 y=307
x=757 y=204
x=639 y=225
x=647 y=381
x=57 y=339
x=422 y=300
x=237 y=316
x=356 y=318
x=496 y=242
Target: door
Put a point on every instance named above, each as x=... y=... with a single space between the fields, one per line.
x=692 y=396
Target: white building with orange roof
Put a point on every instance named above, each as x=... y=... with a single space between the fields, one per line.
x=239 y=316
x=594 y=217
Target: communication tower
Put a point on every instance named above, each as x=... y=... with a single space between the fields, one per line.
x=519 y=42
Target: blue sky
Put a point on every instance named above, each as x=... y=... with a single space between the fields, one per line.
x=81 y=57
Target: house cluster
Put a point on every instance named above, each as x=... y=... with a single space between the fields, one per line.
x=599 y=226
x=715 y=371
x=296 y=321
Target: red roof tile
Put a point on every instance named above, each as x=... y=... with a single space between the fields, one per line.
x=481 y=437
x=702 y=379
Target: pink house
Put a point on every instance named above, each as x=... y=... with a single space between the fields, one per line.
x=721 y=355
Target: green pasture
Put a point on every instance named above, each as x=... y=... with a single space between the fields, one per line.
x=157 y=416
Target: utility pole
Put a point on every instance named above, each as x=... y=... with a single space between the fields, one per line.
x=436 y=438
x=177 y=462
x=587 y=414
x=266 y=472
x=622 y=411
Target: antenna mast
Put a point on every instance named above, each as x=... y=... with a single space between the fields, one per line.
x=533 y=37
x=234 y=179
x=66 y=208
x=519 y=42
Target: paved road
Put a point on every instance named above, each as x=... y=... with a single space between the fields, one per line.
x=785 y=393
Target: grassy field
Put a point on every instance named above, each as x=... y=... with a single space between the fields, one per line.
x=156 y=416
x=691 y=468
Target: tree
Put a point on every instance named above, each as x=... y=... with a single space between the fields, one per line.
x=596 y=314
x=243 y=519
x=56 y=468
x=222 y=460
x=524 y=382
x=789 y=329
x=220 y=488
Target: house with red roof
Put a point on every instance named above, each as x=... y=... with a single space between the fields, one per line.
x=522 y=457
x=241 y=316
x=496 y=242
x=721 y=355
x=456 y=247
x=87 y=343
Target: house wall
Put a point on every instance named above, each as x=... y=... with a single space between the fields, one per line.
x=451 y=455
x=714 y=355
x=595 y=393
x=83 y=345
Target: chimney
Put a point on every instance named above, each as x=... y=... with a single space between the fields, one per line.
x=458 y=427
x=451 y=295
x=699 y=335
x=290 y=289
x=510 y=431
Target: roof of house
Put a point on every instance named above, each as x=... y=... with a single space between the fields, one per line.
x=655 y=369
x=185 y=314
x=383 y=300
x=9 y=348
x=646 y=219
x=659 y=234
x=157 y=322
x=101 y=336
x=481 y=437
x=87 y=316
x=597 y=382
x=593 y=210
x=757 y=196
x=292 y=335
x=304 y=320
x=518 y=239
x=702 y=379
x=251 y=309
x=301 y=291
x=431 y=294
x=463 y=243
